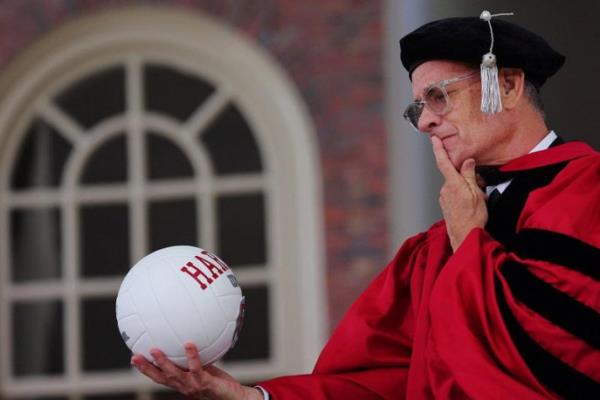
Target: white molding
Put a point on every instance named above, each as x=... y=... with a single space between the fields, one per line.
x=250 y=275
x=244 y=73
x=63 y=123
x=207 y=112
x=136 y=157
x=119 y=192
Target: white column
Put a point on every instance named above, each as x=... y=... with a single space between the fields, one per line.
x=413 y=180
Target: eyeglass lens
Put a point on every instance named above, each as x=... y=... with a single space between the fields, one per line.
x=413 y=113
x=435 y=98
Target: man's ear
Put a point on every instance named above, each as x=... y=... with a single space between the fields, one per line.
x=512 y=85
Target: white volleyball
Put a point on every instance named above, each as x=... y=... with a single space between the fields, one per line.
x=180 y=294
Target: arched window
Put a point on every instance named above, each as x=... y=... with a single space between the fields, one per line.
x=123 y=138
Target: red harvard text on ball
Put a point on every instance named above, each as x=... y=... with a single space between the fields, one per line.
x=209 y=269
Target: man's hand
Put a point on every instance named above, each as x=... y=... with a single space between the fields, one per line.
x=203 y=383
x=461 y=199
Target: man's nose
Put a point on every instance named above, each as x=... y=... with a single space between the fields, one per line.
x=428 y=120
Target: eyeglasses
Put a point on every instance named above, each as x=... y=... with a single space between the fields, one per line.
x=435 y=98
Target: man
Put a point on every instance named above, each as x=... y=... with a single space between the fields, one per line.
x=501 y=299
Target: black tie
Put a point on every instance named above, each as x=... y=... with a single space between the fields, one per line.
x=492 y=175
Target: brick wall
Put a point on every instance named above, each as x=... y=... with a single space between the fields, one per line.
x=332 y=50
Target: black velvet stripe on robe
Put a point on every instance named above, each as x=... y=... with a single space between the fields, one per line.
x=547 y=301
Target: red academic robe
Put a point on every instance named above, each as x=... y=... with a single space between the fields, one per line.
x=482 y=322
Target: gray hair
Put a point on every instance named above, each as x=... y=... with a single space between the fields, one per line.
x=533 y=94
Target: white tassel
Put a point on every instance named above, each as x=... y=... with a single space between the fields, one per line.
x=491 y=102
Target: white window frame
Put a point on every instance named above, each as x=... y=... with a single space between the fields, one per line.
x=291 y=179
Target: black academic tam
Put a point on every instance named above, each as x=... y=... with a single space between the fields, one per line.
x=467 y=39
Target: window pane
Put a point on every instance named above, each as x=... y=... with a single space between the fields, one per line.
x=241 y=229
x=41 y=157
x=103 y=347
x=166 y=160
x=255 y=337
x=37 y=329
x=35 y=244
x=172 y=223
x=231 y=144
x=175 y=93
x=96 y=97
x=104 y=243
x=108 y=164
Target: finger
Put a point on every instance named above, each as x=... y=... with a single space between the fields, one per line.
x=194 y=363
x=204 y=379
x=197 y=379
x=442 y=160
x=467 y=170
x=146 y=368
x=170 y=370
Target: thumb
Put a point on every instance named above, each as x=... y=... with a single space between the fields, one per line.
x=467 y=170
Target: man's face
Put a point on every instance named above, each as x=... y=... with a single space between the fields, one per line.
x=465 y=131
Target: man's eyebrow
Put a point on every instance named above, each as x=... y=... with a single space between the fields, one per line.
x=422 y=93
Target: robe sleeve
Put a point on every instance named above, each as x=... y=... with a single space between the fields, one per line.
x=368 y=354
x=524 y=322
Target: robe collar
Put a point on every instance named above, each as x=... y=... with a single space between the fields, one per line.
x=496 y=174
x=553 y=155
